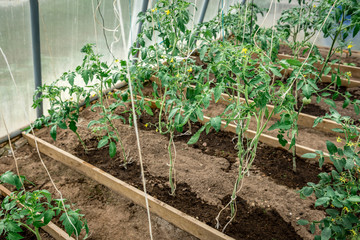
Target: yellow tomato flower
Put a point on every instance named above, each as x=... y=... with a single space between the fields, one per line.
x=348 y=74
x=157 y=130
x=244 y=50
x=314 y=6
x=116 y=60
x=343 y=180
x=146 y=125
x=177 y=75
x=353 y=232
x=338 y=139
x=350 y=46
x=190 y=70
x=346 y=209
x=167 y=12
x=304 y=75
x=350 y=144
x=153 y=10
x=172 y=60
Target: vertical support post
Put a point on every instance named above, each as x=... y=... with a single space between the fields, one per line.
x=203 y=10
x=35 y=37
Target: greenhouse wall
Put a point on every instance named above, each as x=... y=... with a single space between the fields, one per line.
x=66 y=26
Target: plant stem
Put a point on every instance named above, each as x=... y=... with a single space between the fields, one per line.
x=38 y=237
x=332 y=46
x=171 y=165
x=81 y=141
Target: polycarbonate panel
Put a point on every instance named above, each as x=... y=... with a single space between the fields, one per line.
x=67 y=25
x=15 y=41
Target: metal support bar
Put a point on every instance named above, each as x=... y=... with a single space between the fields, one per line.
x=203 y=10
x=35 y=36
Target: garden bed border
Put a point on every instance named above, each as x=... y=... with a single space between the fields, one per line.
x=163 y=210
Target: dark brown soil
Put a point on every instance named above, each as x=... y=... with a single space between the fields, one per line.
x=267 y=222
x=274 y=162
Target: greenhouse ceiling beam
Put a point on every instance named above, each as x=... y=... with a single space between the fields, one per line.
x=35 y=37
x=203 y=10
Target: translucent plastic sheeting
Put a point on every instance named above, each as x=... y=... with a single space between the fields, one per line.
x=284 y=5
x=15 y=41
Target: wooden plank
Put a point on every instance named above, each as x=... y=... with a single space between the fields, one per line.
x=304 y=120
x=269 y=140
x=172 y=215
x=51 y=228
x=355 y=72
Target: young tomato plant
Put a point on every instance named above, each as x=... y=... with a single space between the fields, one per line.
x=33 y=210
x=170 y=63
x=338 y=191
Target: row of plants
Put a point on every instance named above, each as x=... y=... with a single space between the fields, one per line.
x=243 y=64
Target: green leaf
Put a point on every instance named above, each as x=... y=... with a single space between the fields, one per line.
x=48 y=215
x=354 y=199
x=294 y=62
x=338 y=130
x=282 y=140
x=332 y=212
x=327 y=70
x=73 y=126
x=331 y=147
x=321 y=201
x=349 y=163
x=307 y=191
x=148 y=110
x=307 y=90
x=309 y=155
x=11 y=178
x=103 y=142
x=217 y=93
x=303 y=222
x=330 y=102
x=196 y=136
x=71 y=78
x=53 y=132
x=112 y=149
x=216 y=123
x=326 y=233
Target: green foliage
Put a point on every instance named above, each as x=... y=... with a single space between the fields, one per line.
x=33 y=210
x=338 y=191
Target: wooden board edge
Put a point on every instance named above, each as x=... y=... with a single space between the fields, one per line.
x=51 y=228
x=305 y=120
x=171 y=214
x=344 y=68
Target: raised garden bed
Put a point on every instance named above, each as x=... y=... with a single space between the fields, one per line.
x=203 y=184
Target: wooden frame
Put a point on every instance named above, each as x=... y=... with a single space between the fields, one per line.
x=355 y=71
x=170 y=214
x=51 y=228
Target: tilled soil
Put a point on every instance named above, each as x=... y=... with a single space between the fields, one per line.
x=205 y=180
